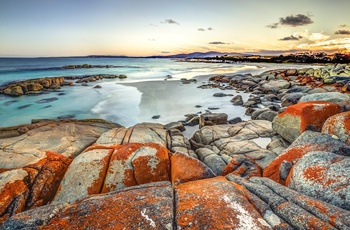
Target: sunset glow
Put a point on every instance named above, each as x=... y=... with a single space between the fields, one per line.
x=143 y=28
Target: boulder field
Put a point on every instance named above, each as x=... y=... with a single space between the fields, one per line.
x=149 y=177
x=93 y=174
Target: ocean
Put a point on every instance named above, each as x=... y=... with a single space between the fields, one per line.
x=119 y=100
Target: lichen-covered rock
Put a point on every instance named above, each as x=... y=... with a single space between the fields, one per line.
x=242 y=166
x=307 y=142
x=68 y=138
x=185 y=168
x=13 y=192
x=85 y=176
x=338 y=125
x=135 y=163
x=214 y=204
x=304 y=116
x=284 y=208
x=142 y=207
x=333 y=97
x=324 y=176
x=30 y=185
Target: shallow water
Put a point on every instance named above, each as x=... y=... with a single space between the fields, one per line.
x=119 y=100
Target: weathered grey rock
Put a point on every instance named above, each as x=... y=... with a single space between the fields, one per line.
x=308 y=141
x=193 y=121
x=291 y=99
x=285 y=168
x=175 y=125
x=83 y=177
x=235 y=120
x=140 y=133
x=334 y=97
x=263 y=114
x=68 y=138
x=237 y=100
x=234 y=140
x=284 y=208
x=324 y=176
x=338 y=125
x=212 y=119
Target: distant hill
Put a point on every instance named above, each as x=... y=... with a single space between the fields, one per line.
x=200 y=55
x=189 y=55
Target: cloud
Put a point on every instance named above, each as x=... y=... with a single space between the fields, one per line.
x=202 y=29
x=342 y=32
x=291 y=38
x=273 y=26
x=315 y=36
x=165 y=52
x=152 y=40
x=217 y=43
x=328 y=45
x=170 y=21
x=343 y=25
x=297 y=20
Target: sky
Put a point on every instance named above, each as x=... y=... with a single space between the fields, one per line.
x=164 y=27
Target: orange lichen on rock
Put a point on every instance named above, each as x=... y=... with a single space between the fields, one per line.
x=313 y=113
x=50 y=173
x=14 y=190
x=151 y=164
x=338 y=125
x=216 y=204
x=185 y=168
x=145 y=207
x=272 y=171
x=243 y=166
x=136 y=163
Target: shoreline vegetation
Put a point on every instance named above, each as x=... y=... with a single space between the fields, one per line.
x=307 y=58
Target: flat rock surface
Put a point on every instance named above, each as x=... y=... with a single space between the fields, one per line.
x=216 y=145
x=68 y=138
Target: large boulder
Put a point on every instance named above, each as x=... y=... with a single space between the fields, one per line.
x=334 y=97
x=102 y=169
x=324 y=176
x=284 y=208
x=142 y=207
x=68 y=138
x=84 y=177
x=215 y=204
x=29 y=185
x=338 y=125
x=133 y=164
x=307 y=142
x=304 y=116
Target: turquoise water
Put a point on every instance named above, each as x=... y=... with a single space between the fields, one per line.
x=116 y=101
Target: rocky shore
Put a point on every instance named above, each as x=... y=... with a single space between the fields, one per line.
x=77 y=174
x=36 y=86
